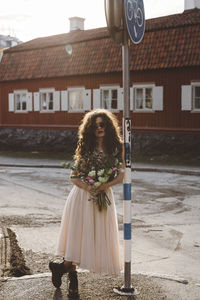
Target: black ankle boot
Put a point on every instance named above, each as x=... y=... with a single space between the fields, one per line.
x=73 y=285
x=58 y=269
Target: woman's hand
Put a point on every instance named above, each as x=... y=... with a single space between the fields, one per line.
x=102 y=187
x=106 y=185
x=78 y=182
x=90 y=189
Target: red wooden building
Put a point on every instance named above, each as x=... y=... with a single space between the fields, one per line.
x=49 y=83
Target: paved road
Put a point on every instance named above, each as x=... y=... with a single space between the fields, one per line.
x=165 y=216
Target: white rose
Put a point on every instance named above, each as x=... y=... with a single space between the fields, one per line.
x=103 y=179
x=92 y=174
x=97 y=184
x=100 y=172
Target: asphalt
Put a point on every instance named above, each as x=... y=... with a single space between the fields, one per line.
x=39 y=286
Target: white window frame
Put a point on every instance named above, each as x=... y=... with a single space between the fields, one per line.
x=46 y=91
x=75 y=89
x=110 y=88
x=144 y=87
x=194 y=84
x=20 y=92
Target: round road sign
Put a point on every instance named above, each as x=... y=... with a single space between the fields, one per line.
x=135 y=19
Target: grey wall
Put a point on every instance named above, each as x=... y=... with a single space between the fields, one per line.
x=41 y=140
x=66 y=140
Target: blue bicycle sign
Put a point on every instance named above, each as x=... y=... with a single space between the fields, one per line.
x=135 y=19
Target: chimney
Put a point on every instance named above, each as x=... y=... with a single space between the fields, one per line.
x=191 y=4
x=76 y=23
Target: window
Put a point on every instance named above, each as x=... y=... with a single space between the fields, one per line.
x=190 y=97
x=109 y=98
x=46 y=101
x=20 y=101
x=146 y=98
x=76 y=99
x=196 y=97
x=143 y=98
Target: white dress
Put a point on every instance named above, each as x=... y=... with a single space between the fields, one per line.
x=89 y=237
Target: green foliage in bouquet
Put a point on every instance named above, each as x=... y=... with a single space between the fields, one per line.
x=96 y=169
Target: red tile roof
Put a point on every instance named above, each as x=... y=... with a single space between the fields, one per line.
x=169 y=42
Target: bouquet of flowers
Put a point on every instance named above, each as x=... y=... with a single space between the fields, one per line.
x=96 y=169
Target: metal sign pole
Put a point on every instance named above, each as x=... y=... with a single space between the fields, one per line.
x=126 y=18
x=126 y=75
x=135 y=21
x=127 y=178
x=126 y=289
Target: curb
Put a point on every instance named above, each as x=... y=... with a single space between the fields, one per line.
x=137 y=169
x=31 y=166
x=181 y=172
x=152 y=275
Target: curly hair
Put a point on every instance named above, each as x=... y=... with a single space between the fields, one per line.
x=87 y=138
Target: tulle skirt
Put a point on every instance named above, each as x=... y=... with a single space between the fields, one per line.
x=88 y=237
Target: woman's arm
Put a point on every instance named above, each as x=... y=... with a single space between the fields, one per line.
x=115 y=181
x=78 y=182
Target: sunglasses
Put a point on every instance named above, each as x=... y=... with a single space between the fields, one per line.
x=100 y=125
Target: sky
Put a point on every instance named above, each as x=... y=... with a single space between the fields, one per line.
x=29 y=19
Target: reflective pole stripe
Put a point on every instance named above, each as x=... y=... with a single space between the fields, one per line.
x=127 y=212
x=127 y=191
x=127 y=251
x=127 y=231
x=127 y=175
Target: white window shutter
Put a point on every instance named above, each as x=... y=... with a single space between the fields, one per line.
x=11 y=102
x=158 y=98
x=186 y=97
x=29 y=102
x=37 y=101
x=64 y=100
x=131 y=99
x=87 y=100
x=56 y=100
x=120 y=104
x=96 y=98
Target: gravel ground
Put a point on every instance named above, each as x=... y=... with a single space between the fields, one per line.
x=91 y=286
x=94 y=286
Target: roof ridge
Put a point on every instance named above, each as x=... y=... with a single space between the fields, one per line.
x=161 y=23
x=22 y=47
x=80 y=36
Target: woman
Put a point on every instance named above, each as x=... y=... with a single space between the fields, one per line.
x=89 y=235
